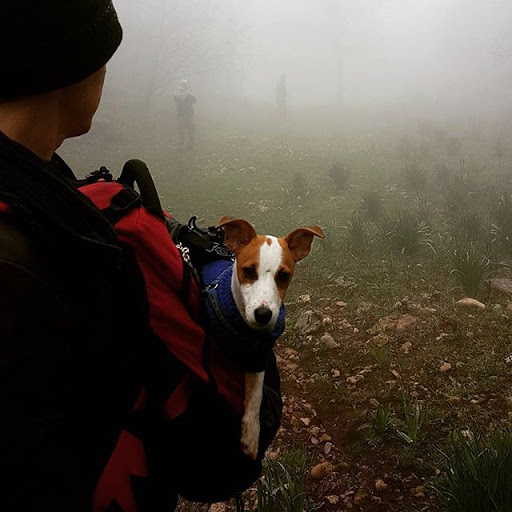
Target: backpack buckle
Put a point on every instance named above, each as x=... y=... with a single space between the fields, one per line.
x=125 y=199
x=101 y=174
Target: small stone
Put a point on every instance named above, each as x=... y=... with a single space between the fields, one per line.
x=325 y=438
x=327 y=323
x=406 y=347
x=354 y=379
x=396 y=374
x=314 y=441
x=454 y=400
x=305 y=298
x=328 y=341
x=320 y=470
x=328 y=448
x=333 y=499
x=426 y=311
x=508 y=359
x=500 y=285
x=419 y=491
x=445 y=367
x=335 y=374
x=380 y=339
x=404 y=322
x=290 y=352
x=360 y=495
x=341 y=304
x=308 y=323
x=306 y=421
x=380 y=485
x=374 y=403
x=469 y=303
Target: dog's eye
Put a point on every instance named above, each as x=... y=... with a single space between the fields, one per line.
x=283 y=276
x=249 y=272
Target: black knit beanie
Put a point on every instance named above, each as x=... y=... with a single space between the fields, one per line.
x=48 y=44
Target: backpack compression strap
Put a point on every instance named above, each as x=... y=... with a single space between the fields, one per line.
x=135 y=172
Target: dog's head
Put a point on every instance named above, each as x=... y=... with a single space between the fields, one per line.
x=264 y=267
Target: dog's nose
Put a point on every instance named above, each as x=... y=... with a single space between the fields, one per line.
x=262 y=315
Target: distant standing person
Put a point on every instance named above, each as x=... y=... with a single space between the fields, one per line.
x=281 y=96
x=185 y=100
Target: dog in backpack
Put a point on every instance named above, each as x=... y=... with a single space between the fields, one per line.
x=247 y=296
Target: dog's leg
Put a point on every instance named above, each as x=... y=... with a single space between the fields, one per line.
x=251 y=419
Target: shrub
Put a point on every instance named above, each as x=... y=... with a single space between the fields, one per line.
x=330 y=246
x=478 y=473
x=469 y=227
x=282 y=487
x=371 y=205
x=415 y=178
x=300 y=186
x=423 y=210
x=502 y=223
x=414 y=417
x=406 y=233
x=459 y=193
x=356 y=231
x=470 y=268
x=340 y=174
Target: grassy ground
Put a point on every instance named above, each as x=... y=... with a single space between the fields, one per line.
x=413 y=224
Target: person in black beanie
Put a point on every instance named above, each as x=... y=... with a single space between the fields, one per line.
x=75 y=346
x=71 y=366
x=68 y=371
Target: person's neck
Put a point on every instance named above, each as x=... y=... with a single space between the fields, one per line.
x=33 y=122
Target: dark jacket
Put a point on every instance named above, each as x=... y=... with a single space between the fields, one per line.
x=75 y=348
x=72 y=359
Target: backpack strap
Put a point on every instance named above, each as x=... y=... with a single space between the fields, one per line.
x=43 y=196
x=136 y=172
x=121 y=204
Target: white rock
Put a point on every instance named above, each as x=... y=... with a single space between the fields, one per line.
x=328 y=341
x=467 y=302
x=445 y=367
x=406 y=347
x=328 y=448
x=354 y=379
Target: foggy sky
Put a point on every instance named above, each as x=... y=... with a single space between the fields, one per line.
x=446 y=54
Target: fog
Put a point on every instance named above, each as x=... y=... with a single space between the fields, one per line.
x=427 y=57
x=396 y=140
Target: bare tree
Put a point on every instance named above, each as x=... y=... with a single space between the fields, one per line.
x=179 y=39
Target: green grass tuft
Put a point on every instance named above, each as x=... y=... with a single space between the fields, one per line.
x=406 y=234
x=282 y=487
x=340 y=174
x=470 y=269
x=479 y=473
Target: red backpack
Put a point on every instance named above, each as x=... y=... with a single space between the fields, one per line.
x=183 y=433
x=199 y=450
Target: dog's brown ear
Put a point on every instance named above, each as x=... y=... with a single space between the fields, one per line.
x=237 y=232
x=299 y=241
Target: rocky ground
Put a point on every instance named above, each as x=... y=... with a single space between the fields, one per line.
x=381 y=364
x=343 y=364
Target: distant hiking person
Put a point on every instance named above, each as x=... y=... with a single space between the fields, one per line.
x=185 y=100
x=281 y=96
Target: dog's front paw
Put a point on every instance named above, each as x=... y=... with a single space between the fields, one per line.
x=250 y=437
